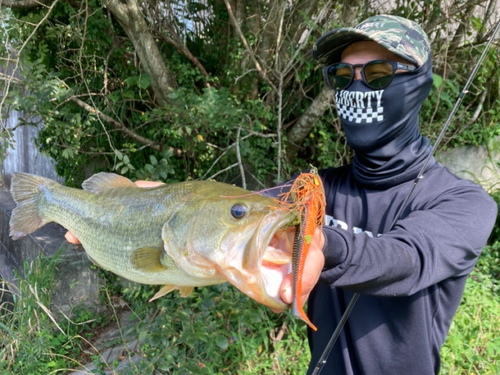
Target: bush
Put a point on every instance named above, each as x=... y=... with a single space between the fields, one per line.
x=216 y=330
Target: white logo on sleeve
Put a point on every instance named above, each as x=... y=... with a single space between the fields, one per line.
x=332 y=222
x=360 y=107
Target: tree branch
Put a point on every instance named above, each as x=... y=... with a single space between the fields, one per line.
x=177 y=42
x=24 y=4
x=267 y=46
x=261 y=72
x=116 y=124
x=9 y=78
x=461 y=31
x=302 y=128
x=301 y=14
x=350 y=12
x=492 y=5
x=447 y=15
x=130 y=17
x=479 y=107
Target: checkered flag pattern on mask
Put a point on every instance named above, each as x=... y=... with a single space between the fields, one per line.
x=361 y=115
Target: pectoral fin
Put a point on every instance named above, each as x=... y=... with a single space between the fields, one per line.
x=183 y=290
x=148 y=259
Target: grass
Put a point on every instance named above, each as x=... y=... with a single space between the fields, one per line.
x=217 y=330
x=473 y=345
x=29 y=334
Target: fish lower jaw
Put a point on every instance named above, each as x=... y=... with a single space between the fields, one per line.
x=256 y=286
x=275 y=265
x=272 y=275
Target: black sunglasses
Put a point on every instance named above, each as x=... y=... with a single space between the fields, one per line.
x=376 y=74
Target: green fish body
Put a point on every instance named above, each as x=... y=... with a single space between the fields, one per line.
x=179 y=235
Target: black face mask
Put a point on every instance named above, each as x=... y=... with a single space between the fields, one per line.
x=381 y=126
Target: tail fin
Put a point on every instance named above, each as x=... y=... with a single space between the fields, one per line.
x=26 y=217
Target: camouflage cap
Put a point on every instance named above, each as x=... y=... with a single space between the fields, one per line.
x=399 y=35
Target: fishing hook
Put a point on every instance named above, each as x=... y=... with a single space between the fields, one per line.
x=354 y=299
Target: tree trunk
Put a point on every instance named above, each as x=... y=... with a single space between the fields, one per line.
x=130 y=17
x=302 y=128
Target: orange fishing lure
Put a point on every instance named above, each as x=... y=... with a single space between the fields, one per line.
x=307 y=197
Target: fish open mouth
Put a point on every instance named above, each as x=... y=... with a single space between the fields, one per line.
x=277 y=261
x=254 y=256
x=258 y=267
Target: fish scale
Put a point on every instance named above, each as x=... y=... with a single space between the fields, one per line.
x=110 y=210
x=178 y=235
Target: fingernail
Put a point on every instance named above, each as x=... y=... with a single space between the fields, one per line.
x=287 y=295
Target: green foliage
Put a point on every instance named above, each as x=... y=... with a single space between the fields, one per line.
x=467 y=126
x=81 y=76
x=96 y=103
x=30 y=340
x=216 y=330
x=207 y=128
x=327 y=146
x=473 y=344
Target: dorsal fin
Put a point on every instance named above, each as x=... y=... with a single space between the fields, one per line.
x=104 y=181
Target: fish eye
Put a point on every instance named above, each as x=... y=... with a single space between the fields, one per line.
x=238 y=211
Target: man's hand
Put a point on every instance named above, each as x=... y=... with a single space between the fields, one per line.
x=71 y=238
x=142 y=184
x=312 y=270
x=148 y=184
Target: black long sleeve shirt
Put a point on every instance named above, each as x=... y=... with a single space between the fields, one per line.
x=411 y=278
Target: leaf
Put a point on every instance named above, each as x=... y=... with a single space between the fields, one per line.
x=67 y=153
x=222 y=342
x=164 y=365
x=193 y=369
x=130 y=81
x=437 y=80
x=143 y=335
x=144 y=81
x=446 y=98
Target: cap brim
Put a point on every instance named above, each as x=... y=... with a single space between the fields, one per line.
x=329 y=47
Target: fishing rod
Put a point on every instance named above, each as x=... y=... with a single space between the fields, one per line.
x=354 y=299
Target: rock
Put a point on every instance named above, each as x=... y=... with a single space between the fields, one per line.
x=76 y=284
x=117 y=348
x=475 y=163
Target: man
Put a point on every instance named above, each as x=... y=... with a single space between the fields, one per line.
x=411 y=273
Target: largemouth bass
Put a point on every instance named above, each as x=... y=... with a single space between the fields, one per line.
x=178 y=235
